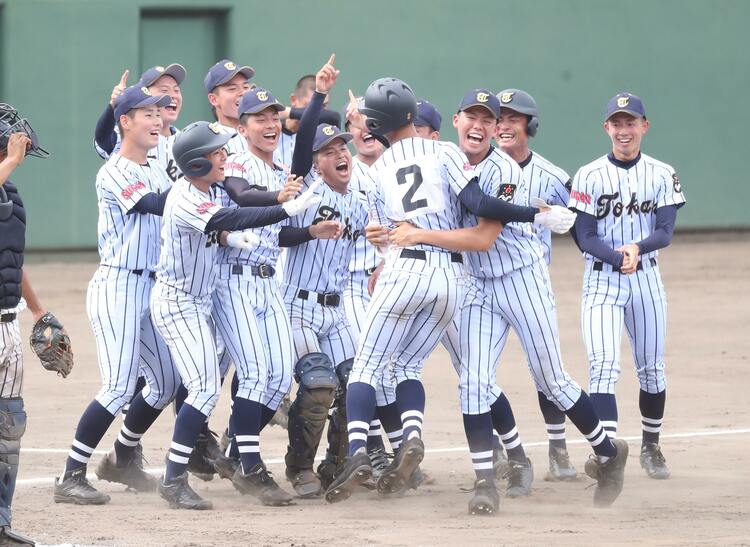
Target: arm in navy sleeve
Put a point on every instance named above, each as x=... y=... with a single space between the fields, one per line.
x=486 y=206
x=291 y=236
x=662 y=234
x=152 y=204
x=245 y=195
x=104 y=133
x=589 y=242
x=302 y=157
x=245 y=217
x=331 y=117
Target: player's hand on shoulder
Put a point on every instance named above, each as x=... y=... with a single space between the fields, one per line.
x=326 y=77
x=631 y=253
x=377 y=235
x=405 y=234
x=18 y=144
x=326 y=229
x=291 y=189
x=120 y=87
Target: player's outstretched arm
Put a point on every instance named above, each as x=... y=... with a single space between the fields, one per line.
x=151 y=204
x=291 y=236
x=477 y=238
x=32 y=300
x=104 y=132
x=245 y=195
x=589 y=242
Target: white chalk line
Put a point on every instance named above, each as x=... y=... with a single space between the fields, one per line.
x=159 y=470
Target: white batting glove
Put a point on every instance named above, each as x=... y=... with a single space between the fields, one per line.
x=556 y=218
x=243 y=240
x=304 y=201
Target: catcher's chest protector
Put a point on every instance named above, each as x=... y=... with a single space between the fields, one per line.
x=12 y=244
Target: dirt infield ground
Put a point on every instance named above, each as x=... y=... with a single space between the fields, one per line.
x=706 y=438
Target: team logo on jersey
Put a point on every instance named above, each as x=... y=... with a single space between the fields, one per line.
x=262 y=95
x=676 y=183
x=507 y=191
x=205 y=206
x=580 y=196
x=622 y=102
x=131 y=189
x=328 y=130
x=145 y=91
x=483 y=97
x=606 y=204
x=507 y=97
x=214 y=126
x=230 y=65
x=234 y=165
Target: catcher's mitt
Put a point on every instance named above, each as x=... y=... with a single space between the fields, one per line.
x=51 y=344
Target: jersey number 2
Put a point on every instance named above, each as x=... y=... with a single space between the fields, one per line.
x=416 y=174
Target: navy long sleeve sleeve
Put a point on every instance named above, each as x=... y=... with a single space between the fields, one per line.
x=482 y=205
x=291 y=236
x=302 y=157
x=152 y=204
x=104 y=133
x=247 y=195
x=331 y=117
x=244 y=218
x=589 y=242
x=666 y=217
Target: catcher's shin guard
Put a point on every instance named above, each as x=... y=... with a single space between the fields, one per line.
x=12 y=428
x=308 y=413
x=338 y=438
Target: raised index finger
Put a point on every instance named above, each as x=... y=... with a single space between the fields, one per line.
x=124 y=78
x=332 y=59
x=352 y=98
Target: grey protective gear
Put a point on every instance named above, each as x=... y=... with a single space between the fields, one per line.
x=11 y=122
x=338 y=435
x=307 y=415
x=12 y=428
x=194 y=143
x=522 y=102
x=389 y=104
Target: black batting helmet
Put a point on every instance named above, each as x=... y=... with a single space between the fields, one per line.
x=193 y=144
x=389 y=103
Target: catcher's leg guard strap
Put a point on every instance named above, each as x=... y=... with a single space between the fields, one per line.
x=12 y=428
x=307 y=415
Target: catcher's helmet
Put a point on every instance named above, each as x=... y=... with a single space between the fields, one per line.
x=522 y=102
x=11 y=122
x=389 y=103
x=192 y=145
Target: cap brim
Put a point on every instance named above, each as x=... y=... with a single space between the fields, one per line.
x=483 y=105
x=247 y=71
x=176 y=70
x=155 y=100
x=624 y=111
x=343 y=135
x=261 y=107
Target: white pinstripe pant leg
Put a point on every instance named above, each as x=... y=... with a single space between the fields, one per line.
x=157 y=366
x=117 y=303
x=276 y=335
x=337 y=341
x=602 y=319
x=646 y=324
x=11 y=360
x=528 y=304
x=185 y=324
x=235 y=317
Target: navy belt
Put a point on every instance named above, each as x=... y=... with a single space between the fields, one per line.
x=264 y=270
x=330 y=299
x=7 y=317
x=422 y=255
x=599 y=266
x=152 y=275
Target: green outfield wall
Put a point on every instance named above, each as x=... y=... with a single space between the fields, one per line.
x=687 y=59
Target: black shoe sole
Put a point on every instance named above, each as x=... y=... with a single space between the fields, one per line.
x=482 y=507
x=59 y=498
x=343 y=491
x=397 y=479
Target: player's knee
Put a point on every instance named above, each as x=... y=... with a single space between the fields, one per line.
x=12 y=428
x=317 y=380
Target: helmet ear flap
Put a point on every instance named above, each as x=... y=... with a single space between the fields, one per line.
x=199 y=167
x=533 y=126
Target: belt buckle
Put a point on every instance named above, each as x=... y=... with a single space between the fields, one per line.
x=370 y=271
x=331 y=299
x=265 y=270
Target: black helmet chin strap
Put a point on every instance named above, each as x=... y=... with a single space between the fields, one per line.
x=381 y=139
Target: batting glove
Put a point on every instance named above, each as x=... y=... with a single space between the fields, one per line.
x=243 y=240
x=303 y=201
x=556 y=218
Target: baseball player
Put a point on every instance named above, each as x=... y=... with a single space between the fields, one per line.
x=420 y=289
x=627 y=205
x=512 y=289
x=17 y=140
x=160 y=81
x=131 y=190
x=428 y=120
x=225 y=84
x=181 y=299
x=518 y=122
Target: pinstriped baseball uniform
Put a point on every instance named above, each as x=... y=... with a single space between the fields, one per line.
x=181 y=299
x=547 y=181
x=416 y=298
x=284 y=152
x=237 y=144
x=162 y=152
x=511 y=287
x=11 y=354
x=117 y=299
x=248 y=308
x=624 y=201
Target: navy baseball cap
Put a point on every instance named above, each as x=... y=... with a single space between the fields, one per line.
x=481 y=97
x=176 y=70
x=427 y=114
x=627 y=103
x=138 y=96
x=258 y=99
x=326 y=133
x=223 y=71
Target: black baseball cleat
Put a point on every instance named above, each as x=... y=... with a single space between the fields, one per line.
x=179 y=495
x=356 y=470
x=379 y=460
x=75 y=488
x=131 y=475
x=206 y=450
x=259 y=483
x=654 y=462
x=520 y=475
x=225 y=466
x=397 y=475
x=486 y=499
x=610 y=475
x=9 y=537
x=560 y=468
x=305 y=482
x=326 y=471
